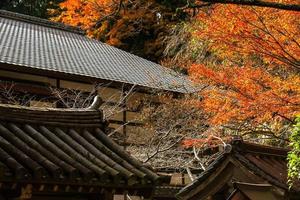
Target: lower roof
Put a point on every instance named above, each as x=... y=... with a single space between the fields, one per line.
x=66 y=146
x=267 y=162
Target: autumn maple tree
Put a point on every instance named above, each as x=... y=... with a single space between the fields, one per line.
x=248 y=94
x=246 y=54
x=238 y=31
x=253 y=78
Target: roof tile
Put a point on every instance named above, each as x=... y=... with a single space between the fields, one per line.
x=40 y=44
x=47 y=145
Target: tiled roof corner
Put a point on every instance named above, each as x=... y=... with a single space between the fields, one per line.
x=261 y=160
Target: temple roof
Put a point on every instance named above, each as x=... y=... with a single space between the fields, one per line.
x=41 y=46
x=266 y=162
x=66 y=146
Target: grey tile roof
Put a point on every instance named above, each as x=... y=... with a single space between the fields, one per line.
x=40 y=44
x=69 y=146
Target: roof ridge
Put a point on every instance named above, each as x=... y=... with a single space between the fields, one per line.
x=246 y=146
x=97 y=101
x=44 y=109
x=80 y=118
x=40 y=21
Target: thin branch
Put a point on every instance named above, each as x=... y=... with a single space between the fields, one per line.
x=197 y=157
x=119 y=128
x=282 y=116
x=258 y=3
x=190 y=173
x=272 y=36
x=162 y=150
x=113 y=14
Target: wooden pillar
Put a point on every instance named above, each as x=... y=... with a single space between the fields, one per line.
x=108 y=195
x=125 y=195
x=105 y=194
x=124 y=106
x=58 y=83
x=124 y=127
x=58 y=103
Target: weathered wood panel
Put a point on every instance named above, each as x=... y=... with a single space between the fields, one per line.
x=76 y=86
x=27 y=77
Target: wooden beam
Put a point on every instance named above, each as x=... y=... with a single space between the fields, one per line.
x=73 y=77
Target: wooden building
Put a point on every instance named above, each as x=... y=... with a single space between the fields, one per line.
x=36 y=54
x=244 y=171
x=52 y=153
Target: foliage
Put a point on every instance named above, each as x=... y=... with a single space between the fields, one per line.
x=136 y=26
x=37 y=8
x=294 y=154
x=255 y=78
x=271 y=34
x=248 y=93
x=248 y=59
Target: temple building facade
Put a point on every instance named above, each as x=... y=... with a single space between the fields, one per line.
x=49 y=64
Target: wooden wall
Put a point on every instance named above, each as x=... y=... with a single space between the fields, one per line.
x=112 y=96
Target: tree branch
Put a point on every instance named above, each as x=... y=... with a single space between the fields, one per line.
x=113 y=14
x=258 y=3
